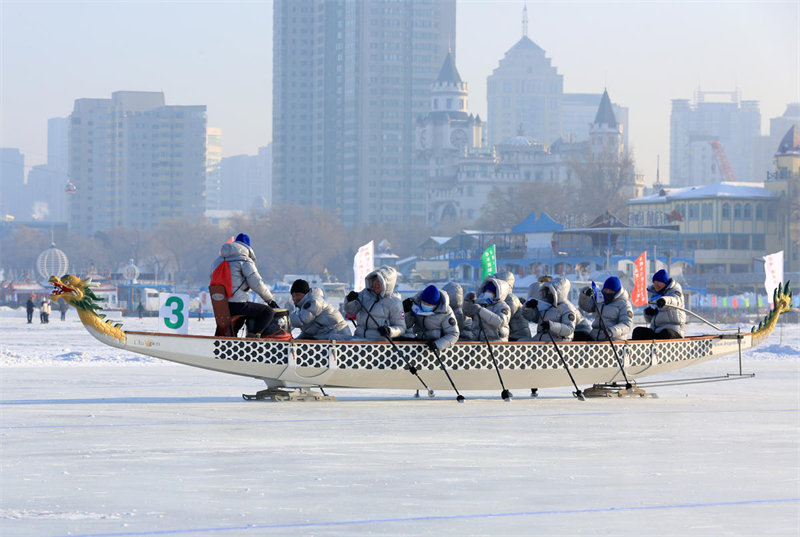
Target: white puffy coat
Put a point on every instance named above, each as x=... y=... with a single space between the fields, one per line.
x=385 y=310
x=317 y=319
x=244 y=274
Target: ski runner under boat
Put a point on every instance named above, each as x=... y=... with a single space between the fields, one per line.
x=303 y=365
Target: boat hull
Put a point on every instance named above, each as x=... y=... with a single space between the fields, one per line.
x=378 y=365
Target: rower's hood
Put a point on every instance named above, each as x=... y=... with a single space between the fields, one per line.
x=388 y=278
x=560 y=289
x=500 y=285
x=455 y=293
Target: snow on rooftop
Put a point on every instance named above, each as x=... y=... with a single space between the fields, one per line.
x=716 y=190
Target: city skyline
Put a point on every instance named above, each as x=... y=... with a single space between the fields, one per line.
x=220 y=55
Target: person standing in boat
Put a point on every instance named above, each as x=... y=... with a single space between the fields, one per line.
x=553 y=313
x=245 y=277
x=488 y=309
x=62 y=307
x=378 y=309
x=456 y=295
x=665 y=322
x=430 y=318
x=313 y=315
x=518 y=327
x=616 y=311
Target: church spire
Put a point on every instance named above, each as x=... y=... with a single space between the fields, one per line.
x=525 y=21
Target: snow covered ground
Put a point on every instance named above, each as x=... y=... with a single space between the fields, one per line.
x=107 y=443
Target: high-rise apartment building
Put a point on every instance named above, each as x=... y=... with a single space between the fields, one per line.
x=349 y=80
x=525 y=92
x=213 y=167
x=13 y=199
x=246 y=181
x=135 y=161
x=735 y=124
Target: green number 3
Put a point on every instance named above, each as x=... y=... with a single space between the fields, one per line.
x=177 y=311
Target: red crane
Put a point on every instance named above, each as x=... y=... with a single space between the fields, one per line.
x=723 y=163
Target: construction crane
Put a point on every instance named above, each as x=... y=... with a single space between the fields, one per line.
x=723 y=164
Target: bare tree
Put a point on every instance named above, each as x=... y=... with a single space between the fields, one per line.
x=600 y=182
x=507 y=207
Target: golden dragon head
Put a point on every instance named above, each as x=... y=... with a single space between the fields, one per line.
x=782 y=301
x=78 y=293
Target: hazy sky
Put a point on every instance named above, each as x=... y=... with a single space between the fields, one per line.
x=220 y=54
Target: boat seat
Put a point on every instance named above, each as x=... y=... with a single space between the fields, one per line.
x=227 y=325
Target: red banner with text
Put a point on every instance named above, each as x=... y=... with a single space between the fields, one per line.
x=639 y=294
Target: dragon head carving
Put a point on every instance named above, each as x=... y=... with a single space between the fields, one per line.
x=78 y=294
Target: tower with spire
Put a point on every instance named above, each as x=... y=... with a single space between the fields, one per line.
x=525 y=88
x=605 y=133
x=448 y=132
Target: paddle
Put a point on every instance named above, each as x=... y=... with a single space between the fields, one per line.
x=460 y=397
x=577 y=393
x=628 y=385
x=505 y=394
x=394 y=346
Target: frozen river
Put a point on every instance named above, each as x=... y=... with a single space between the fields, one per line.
x=101 y=442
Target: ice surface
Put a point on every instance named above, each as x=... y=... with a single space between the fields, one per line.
x=96 y=441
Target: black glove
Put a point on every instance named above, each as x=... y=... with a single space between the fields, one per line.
x=352 y=295
x=431 y=345
x=587 y=291
x=661 y=302
x=545 y=326
x=274 y=305
x=384 y=331
x=650 y=312
x=531 y=303
x=471 y=296
x=407 y=304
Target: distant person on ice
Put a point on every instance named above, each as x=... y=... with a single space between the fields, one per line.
x=62 y=307
x=245 y=277
x=616 y=311
x=29 y=307
x=429 y=318
x=314 y=316
x=200 y=311
x=378 y=309
x=665 y=322
x=140 y=309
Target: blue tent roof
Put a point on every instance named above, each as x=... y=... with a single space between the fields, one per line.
x=543 y=224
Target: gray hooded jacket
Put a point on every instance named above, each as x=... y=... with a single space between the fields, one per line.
x=617 y=315
x=581 y=323
x=667 y=317
x=561 y=315
x=518 y=326
x=456 y=295
x=386 y=310
x=440 y=325
x=492 y=319
x=244 y=274
x=317 y=319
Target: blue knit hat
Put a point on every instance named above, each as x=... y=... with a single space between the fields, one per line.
x=613 y=284
x=661 y=276
x=241 y=237
x=431 y=295
x=490 y=288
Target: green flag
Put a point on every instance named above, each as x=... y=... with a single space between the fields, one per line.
x=488 y=262
x=760 y=302
x=747 y=302
x=725 y=302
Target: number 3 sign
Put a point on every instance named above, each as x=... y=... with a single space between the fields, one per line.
x=173 y=313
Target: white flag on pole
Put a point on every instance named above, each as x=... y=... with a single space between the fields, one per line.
x=773 y=266
x=363 y=264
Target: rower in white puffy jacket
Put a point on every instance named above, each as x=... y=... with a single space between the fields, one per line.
x=615 y=313
x=314 y=316
x=378 y=309
x=665 y=322
x=554 y=314
x=489 y=311
x=430 y=318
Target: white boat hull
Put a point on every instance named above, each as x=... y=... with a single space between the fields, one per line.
x=378 y=365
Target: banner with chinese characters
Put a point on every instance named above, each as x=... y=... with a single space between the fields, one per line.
x=363 y=264
x=639 y=293
x=488 y=262
x=773 y=266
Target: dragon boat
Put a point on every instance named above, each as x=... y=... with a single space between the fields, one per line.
x=301 y=365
